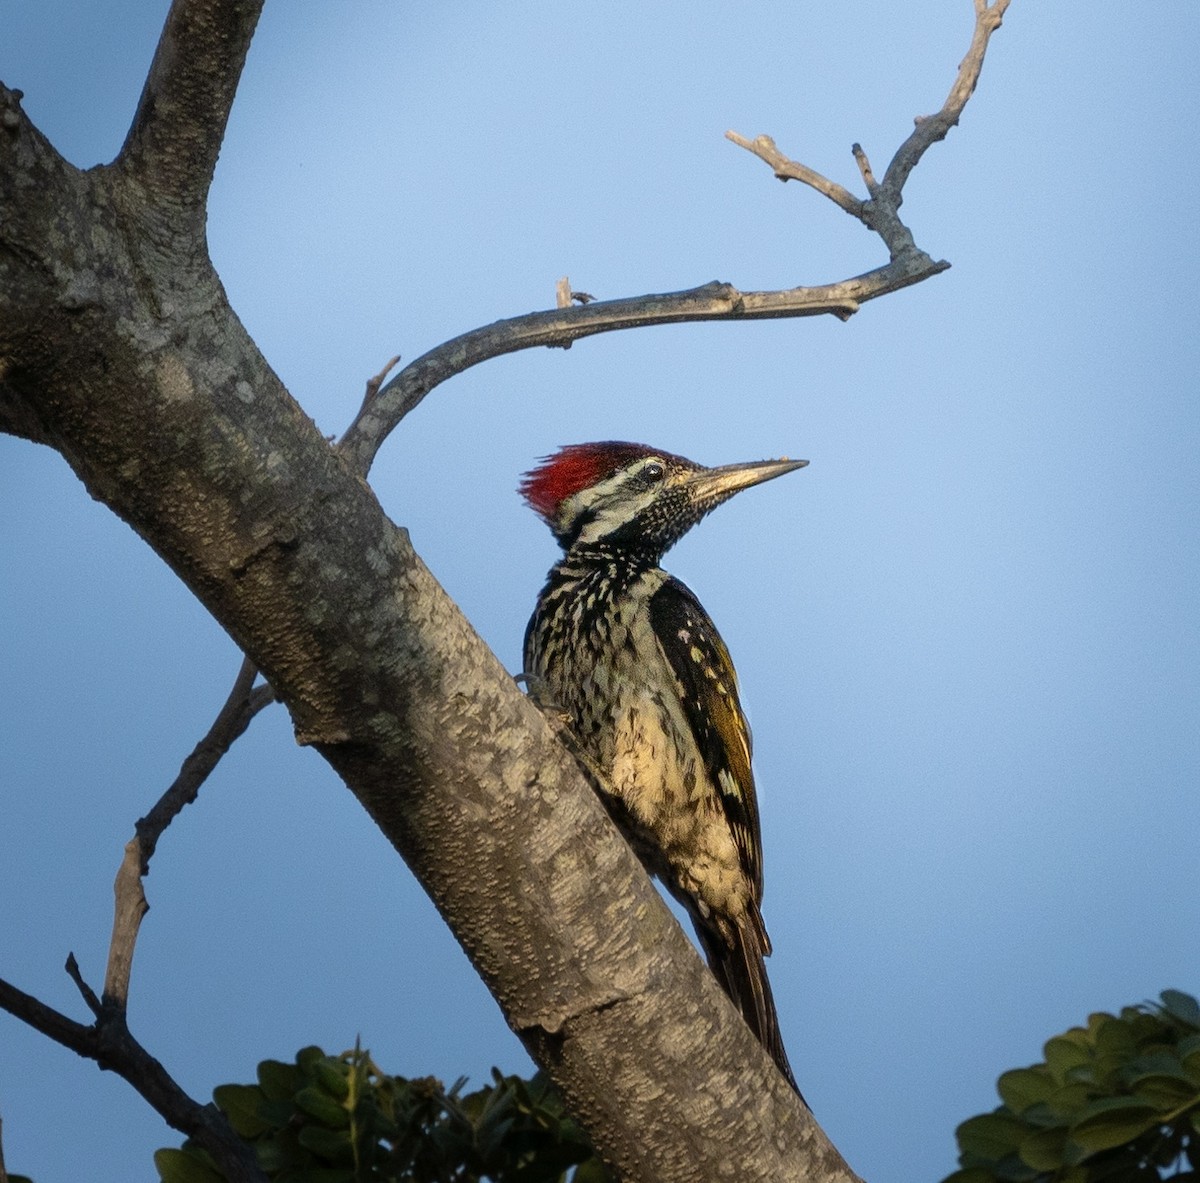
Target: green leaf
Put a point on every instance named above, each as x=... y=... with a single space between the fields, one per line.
x=1157 y=1059
x=331 y=1076
x=990 y=1136
x=317 y=1175
x=1182 y=1007
x=306 y=1057
x=319 y=1104
x=334 y=1146
x=1189 y=1046
x=240 y=1103
x=1023 y=1087
x=277 y=1114
x=1064 y=1054
x=1041 y=1117
x=1069 y=1101
x=1116 y=1038
x=1165 y=1091
x=1044 y=1150
x=1074 y=1174
x=180 y=1166
x=1112 y=1121
x=278 y=1081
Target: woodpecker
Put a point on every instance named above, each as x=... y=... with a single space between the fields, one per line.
x=631 y=660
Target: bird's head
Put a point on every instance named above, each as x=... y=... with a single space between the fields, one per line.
x=633 y=497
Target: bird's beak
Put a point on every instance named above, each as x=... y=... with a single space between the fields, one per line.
x=714 y=485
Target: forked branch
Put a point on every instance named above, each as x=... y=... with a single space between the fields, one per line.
x=109 y=1043
x=244 y=702
x=107 y=1040
x=564 y=324
x=180 y=122
x=880 y=211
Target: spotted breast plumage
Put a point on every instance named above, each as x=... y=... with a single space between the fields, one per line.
x=633 y=662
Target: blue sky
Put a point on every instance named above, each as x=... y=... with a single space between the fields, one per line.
x=967 y=633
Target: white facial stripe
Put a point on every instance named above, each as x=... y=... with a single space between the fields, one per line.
x=611 y=502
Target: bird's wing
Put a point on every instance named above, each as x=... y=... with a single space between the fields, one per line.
x=708 y=690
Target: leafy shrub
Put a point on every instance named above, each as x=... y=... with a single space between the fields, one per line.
x=1117 y=1101
x=339 y=1119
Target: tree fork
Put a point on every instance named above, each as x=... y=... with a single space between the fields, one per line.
x=119 y=349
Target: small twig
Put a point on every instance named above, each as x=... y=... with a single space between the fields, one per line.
x=129 y=909
x=879 y=213
x=109 y=1043
x=562 y=299
x=932 y=128
x=89 y=995
x=234 y=717
x=373 y=384
x=787 y=169
x=130 y=906
x=864 y=167
x=3 y=1171
x=565 y=295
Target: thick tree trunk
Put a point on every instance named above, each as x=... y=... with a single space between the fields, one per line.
x=118 y=349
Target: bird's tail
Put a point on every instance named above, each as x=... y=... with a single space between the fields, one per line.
x=737 y=960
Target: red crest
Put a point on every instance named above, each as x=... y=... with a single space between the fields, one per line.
x=575 y=467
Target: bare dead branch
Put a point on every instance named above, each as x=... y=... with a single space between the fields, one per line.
x=932 y=128
x=243 y=703
x=879 y=212
x=375 y=382
x=88 y=994
x=177 y=131
x=561 y=326
x=786 y=169
x=130 y=906
x=109 y=1043
x=565 y=324
x=864 y=168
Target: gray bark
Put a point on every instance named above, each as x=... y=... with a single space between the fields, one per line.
x=119 y=349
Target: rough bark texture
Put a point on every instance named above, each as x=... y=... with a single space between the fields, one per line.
x=119 y=349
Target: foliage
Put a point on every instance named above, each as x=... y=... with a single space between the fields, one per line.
x=1117 y=1101
x=339 y=1119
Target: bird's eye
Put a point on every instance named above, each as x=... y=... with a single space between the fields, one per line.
x=653 y=472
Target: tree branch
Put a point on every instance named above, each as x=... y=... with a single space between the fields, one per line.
x=109 y=1043
x=243 y=703
x=130 y=362
x=880 y=212
x=172 y=145
x=561 y=326
x=930 y=129
x=108 y=1040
